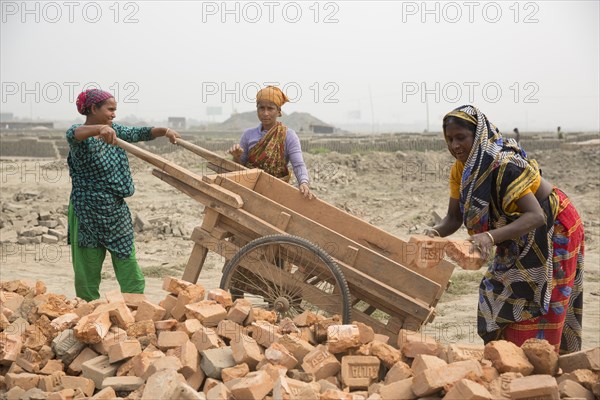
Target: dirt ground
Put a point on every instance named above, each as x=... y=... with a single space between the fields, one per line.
x=397 y=192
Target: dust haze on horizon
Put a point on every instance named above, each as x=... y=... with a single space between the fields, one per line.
x=394 y=65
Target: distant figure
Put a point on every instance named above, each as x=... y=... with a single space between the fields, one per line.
x=559 y=133
x=517 y=135
x=271 y=145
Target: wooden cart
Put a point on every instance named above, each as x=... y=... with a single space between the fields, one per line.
x=291 y=254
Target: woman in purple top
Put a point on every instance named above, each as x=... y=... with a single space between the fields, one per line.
x=271 y=145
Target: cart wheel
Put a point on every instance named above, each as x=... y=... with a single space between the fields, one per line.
x=290 y=275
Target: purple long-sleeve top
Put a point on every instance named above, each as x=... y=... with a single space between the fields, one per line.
x=293 y=152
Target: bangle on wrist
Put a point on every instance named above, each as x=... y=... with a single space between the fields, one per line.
x=167 y=131
x=491 y=237
x=436 y=232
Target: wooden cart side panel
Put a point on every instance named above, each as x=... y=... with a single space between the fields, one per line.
x=246 y=178
x=368 y=261
x=350 y=226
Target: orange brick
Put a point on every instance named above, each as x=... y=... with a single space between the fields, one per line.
x=298 y=347
x=29 y=360
x=141 y=328
x=168 y=303
x=534 y=386
x=359 y=371
x=10 y=348
x=398 y=372
x=342 y=337
x=171 y=339
x=246 y=350
x=165 y=325
x=220 y=296
x=115 y=335
x=125 y=349
x=321 y=363
x=542 y=356
x=463 y=352
x=76 y=382
x=254 y=386
x=50 y=382
x=467 y=390
x=142 y=361
x=386 y=353
x=278 y=354
x=239 y=371
x=423 y=362
x=584 y=359
x=464 y=254
x=167 y=362
x=52 y=366
x=412 y=343
x=175 y=285
x=92 y=328
x=239 y=311
x=206 y=338
x=433 y=380
x=264 y=333
x=85 y=355
x=133 y=300
x=114 y=296
x=147 y=310
x=507 y=357
x=424 y=251
x=189 y=326
x=229 y=329
x=208 y=312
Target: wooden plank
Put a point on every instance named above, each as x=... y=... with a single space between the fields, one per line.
x=183 y=175
x=350 y=226
x=215 y=159
x=377 y=325
x=246 y=178
x=195 y=263
x=351 y=254
x=283 y=221
x=372 y=263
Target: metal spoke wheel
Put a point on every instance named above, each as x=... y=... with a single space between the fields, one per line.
x=289 y=275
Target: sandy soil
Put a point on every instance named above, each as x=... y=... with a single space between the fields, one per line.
x=396 y=192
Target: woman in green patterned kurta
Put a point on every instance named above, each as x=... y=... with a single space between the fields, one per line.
x=99 y=218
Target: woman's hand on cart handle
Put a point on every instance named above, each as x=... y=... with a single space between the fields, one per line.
x=305 y=190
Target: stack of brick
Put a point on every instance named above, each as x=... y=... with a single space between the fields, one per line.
x=198 y=345
x=19 y=224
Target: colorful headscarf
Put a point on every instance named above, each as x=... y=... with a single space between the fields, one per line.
x=272 y=94
x=86 y=99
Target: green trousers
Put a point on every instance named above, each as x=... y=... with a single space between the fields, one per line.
x=87 y=265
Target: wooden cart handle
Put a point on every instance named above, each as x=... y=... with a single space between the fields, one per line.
x=224 y=164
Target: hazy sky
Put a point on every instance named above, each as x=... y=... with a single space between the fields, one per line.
x=531 y=64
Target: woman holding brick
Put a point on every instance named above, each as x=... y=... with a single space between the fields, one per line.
x=534 y=287
x=99 y=218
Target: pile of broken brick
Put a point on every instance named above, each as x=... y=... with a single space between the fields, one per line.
x=193 y=346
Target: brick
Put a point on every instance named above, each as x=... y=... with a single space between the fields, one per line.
x=12 y=301
x=298 y=347
x=115 y=335
x=342 y=337
x=398 y=372
x=359 y=371
x=321 y=363
x=171 y=339
x=463 y=352
x=286 y=325
x=165 y=325
x=433 y=380
x=162 y=385
x=468 y=390
x=15 y=393
x=84 y=308
x=292 y=389
x=133 y=300
x=239 y=311
x=542 y=356
x=125 y=368
x=423 y=362
x=386 y=353
x=229 y=329
x=220 y=296
x=246 y=350
x=114 y=296
x=398 y=390
x=264 y=333
x=122 y=350
x=50 y=382
x=92 y=328
x=65 y=394
x=183 y=299
x=489 y=372
x=254 y=386
x=52 y=366
x=65 y=321
x=278 y=354
x=463 y=253
x=175 y=285
x=320 y=327
x=66 y=346
x=189 y=357
x=584 y=359
x=424 y=251
x=183 y=391
x=500 y=387
x=107 y=393
x=218 y=392
x=97 y=369
x=366 y=333
x=584 y=377
x=147 y=310
x=209 y=313
x=123 y=383
x=205 y=339
x=335 y=394
x=167 y=362
x=142 y=361
x=196 y=379
x=307 y=318
x=29 y=360
x=212 y=361
x=168 y=303
x=10 y=347
x=274 y=371
x=54 y=306
x=141 y=328
x=18 y=326
x=260 y=314
x=507 y=357
x=119 y=313
x=189 y=326
x=573 y=390
x=413 y=343
x=538 y=386
x=238 y=371
x=86 y=354
x=78 y=382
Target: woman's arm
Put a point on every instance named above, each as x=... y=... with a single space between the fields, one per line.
x=105 y=133
x=169 y=133
x=451 y=222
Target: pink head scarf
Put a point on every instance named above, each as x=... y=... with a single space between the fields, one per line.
x=86 y=99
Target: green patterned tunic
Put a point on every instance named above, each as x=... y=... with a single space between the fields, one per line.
x=101 y=179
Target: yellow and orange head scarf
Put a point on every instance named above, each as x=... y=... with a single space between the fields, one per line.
x=272 y=94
